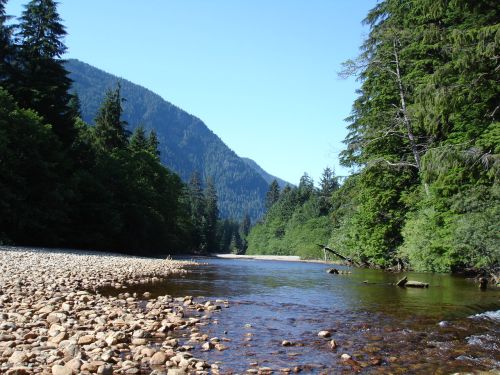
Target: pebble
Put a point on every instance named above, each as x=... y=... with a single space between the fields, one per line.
x=52 y=320
x=324 y=334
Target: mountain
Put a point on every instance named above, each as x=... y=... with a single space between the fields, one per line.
x=268 y=177
x=186 y=143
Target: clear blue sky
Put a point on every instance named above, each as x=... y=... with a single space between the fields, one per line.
x=262 y=74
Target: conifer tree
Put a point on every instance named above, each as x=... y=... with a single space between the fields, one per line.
x=138 y=140
x=154 y=144
x=211 y=216
x=40 y=81
x=196 y=208
x=273 y=194
x=328 y=184
x=245 y=225
x=6 y=48
x=109 y=128
x=75 y=106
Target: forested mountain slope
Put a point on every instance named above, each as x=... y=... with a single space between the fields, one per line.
x=186 y=144
x=268 y=177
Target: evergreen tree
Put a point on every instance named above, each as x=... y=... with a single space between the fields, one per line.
x=138 y=140
x=211 y=217
x=328 y=184
x=306 y=187
x=75 y=107
x=154 y=144
x=245 y=225
x=196 y=208
x=236 y=245
x=6 y=47
x=109 y=128
x=40 y=81
x=273 y=194
x=32 y=194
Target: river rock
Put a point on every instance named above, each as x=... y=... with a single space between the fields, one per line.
x=324 y=334
x=159 y=358
x=345 y=357
x=18 y=357
x=105 y=369
x=74 y=365
x=61 y=370
x=86 y=340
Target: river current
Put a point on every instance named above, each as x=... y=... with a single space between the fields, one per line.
x=452 y=326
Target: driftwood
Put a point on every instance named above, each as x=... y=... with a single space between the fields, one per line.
x=405 y=283
x=349 y=260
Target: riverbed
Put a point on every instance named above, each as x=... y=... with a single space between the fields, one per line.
x=378 y=328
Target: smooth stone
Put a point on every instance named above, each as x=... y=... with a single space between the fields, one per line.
x=324 y=334
x=74 y=365
x=159 y=358
x=18 y=357
x=105 y=370
x=86 y=340
x=61 y=370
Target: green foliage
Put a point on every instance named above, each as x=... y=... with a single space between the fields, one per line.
x=293 y=225
x=423 y=146
x=32 y=196
x=39 y=80
x=273 y=194
x=6 y=47
x=109 y=128
x=211 y=217
x=423 y=136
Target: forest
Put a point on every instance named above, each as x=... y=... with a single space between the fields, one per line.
x=423 y=147
x=186 y=144
x=67 y=183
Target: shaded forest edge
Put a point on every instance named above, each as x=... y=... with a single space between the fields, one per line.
x=68 y=184
x=423 y=146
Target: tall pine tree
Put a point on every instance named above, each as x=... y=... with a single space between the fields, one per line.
x=6 y=48
x=41 y=81
x=273 y=194
x=211 y=217
x=109 y=128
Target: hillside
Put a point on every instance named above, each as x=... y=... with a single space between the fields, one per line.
x=268 y=177
x=186 y=143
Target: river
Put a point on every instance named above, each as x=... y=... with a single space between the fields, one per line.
x=451 y=326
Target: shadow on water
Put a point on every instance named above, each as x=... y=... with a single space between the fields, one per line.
x=384 y=328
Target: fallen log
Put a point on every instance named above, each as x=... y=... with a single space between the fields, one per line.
x=416 y=284
x=401 y=283
x=405 y=283
x=349 y=260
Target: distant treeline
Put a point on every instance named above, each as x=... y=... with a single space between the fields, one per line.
x=423 y=145
x=66 y=183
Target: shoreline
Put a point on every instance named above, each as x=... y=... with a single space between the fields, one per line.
x=54 y=320
x=284 y=258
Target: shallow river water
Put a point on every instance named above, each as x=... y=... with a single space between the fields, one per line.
x=450 y=327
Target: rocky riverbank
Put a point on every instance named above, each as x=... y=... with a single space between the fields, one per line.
x=54 y=321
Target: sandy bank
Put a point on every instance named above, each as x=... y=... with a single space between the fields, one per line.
x=289 y=258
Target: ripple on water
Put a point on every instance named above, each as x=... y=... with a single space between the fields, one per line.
x=485 y=341
x=492 y=315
